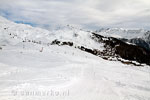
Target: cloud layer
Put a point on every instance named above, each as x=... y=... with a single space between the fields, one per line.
x=84 y=13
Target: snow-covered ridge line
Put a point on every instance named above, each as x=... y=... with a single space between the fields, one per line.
x=122 y=32
x=21 y=32
x=14 y=34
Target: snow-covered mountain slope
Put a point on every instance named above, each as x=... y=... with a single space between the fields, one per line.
x=139 y=37
x=122 y=33
x=146 y=36
x=31 y=69
x=10 y=30
x=26 y=33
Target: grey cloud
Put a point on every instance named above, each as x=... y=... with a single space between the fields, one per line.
x=85 y=13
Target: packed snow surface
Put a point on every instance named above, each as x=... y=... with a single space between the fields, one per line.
x=64 y=73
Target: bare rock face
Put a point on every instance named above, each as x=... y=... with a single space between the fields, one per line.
x=67 y=43
x=124 y=50
x=139 y=42
x=57 y=42
x=133 y=52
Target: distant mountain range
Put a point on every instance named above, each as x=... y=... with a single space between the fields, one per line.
x=138 y=37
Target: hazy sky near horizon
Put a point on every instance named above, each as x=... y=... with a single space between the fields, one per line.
x=91 y=14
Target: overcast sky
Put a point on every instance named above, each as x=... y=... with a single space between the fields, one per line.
x=91 y=14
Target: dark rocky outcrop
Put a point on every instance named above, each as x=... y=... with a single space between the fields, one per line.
x=57 y=42
x=92 y=51
x=67 y=43
x=124 y=50
x=132 y=52
x=139 y=42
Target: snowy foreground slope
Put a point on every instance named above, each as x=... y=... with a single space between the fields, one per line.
x=63 y=72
